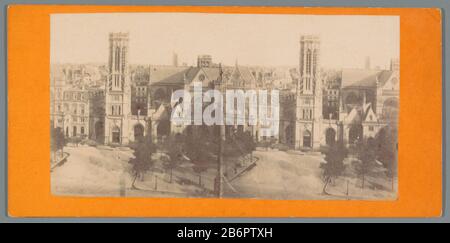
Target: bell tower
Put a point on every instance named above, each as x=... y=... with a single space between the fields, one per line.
x=117 y=90
x=309 y=95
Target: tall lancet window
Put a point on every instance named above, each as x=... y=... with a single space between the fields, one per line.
x=308 y=62
x=110 y=57
x=117 y=61
x=315 y=62
x=123 y=59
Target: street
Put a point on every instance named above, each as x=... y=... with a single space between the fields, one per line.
x=281 y=175
x=104 y=171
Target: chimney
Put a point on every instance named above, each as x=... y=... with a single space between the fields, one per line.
x=175 y=60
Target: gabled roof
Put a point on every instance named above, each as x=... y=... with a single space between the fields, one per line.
x=239 y=74
x=384 y=76
x=353 y=117
x=166 y=75
x=162 y=113
x=368 y=111
x=247 y=75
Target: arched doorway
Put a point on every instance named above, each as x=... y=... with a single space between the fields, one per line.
x=115 y=134
x=307 y=139
x=289 y=132
x=355 y=133
x=99 y=131
x=371 y=142
x=138 y=132
x=330 y=136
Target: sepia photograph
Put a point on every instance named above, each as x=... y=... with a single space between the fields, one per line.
x=203 y=105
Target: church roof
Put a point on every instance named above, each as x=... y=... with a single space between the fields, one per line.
x=168 y=75
x=246 y=75
x=362 y=78
x=212 y=73
x=360 y=114
x=239 y=74
x=367 y=109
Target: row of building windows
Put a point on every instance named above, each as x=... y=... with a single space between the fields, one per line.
x=75 y=131
x=75 y=119
x=79 y=119
x=73 y=109
x=73 y=96
x=332 y=92
x=140 y=100
x=141 y=91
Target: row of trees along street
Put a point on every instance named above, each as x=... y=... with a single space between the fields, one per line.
x=366 y=155
x=198 y=148
x=57 y=143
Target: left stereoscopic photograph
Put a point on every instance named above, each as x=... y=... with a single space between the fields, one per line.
x=294 y=107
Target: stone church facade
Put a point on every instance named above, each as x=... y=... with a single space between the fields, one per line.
x=368 y=102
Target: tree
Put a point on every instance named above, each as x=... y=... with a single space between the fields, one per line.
x=142 y=161
x=386 y=144
x=366 y=158
x=248 y=141
x=334 y=166
x=56 y=139
x=174 y=147
x=201 y=150
x=241 y=144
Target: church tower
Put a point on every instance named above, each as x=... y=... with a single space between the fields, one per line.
x=309 y=95
x=117 y=90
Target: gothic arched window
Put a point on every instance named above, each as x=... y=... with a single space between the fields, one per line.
x=117 y=61
x=308 y=61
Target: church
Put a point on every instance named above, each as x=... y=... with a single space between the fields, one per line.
x=138 y=101
x=367 y=102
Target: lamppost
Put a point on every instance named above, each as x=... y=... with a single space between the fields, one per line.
x=221 y=129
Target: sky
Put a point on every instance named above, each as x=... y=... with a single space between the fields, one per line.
x=249 y=39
